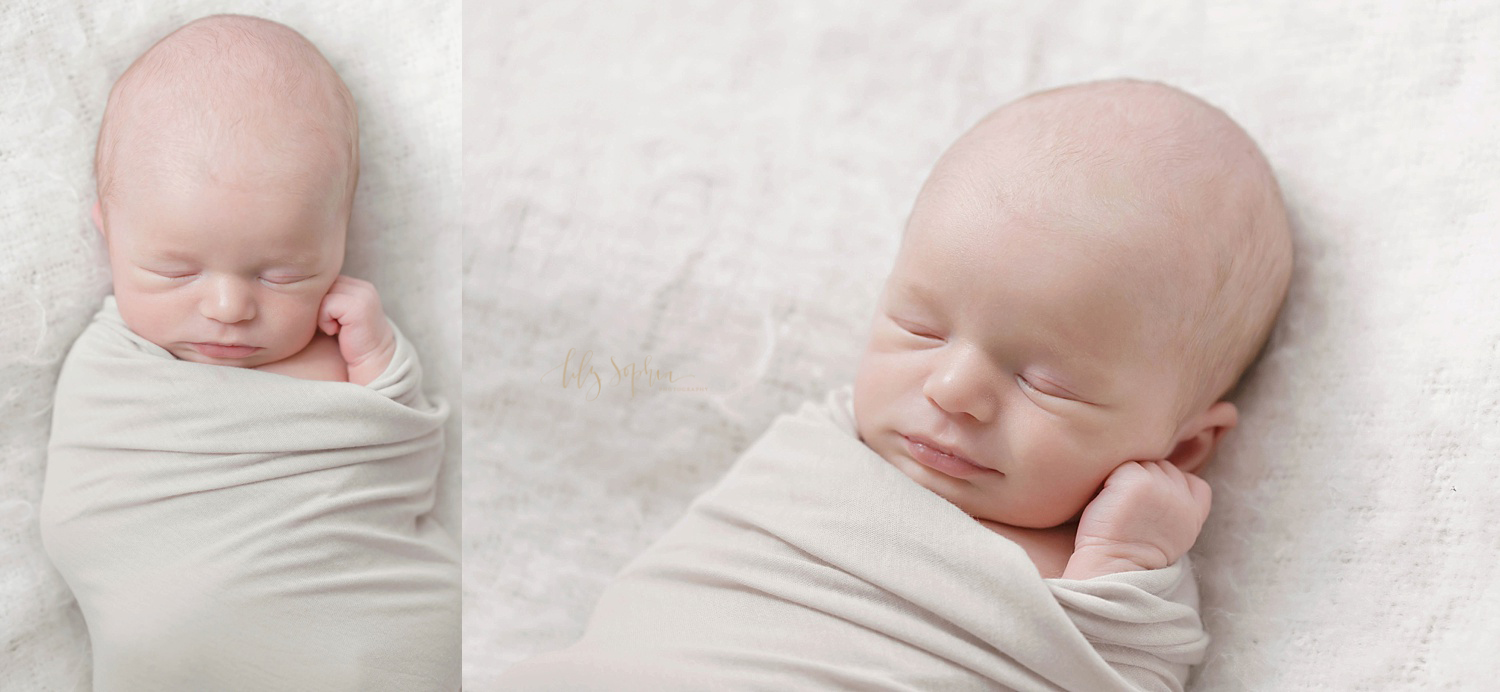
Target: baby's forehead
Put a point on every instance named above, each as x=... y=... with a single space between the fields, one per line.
x=150 y=166
x=185 y=220
x=1086 y=268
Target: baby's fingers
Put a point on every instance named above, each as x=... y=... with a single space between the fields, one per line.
x=1127 y=472
x=1169 y=475
x=1160 y=473
x=331 y=311
x=1202 y=494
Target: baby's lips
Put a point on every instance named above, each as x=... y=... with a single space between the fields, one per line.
x=225 y=351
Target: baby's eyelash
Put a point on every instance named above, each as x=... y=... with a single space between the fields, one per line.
x=915 y=330
x=1058 y=393
x=1028 y=385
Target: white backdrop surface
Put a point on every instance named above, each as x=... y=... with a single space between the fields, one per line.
x=57 y=63
x=718 y=186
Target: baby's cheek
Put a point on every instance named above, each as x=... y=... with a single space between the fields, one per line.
x=896 y=377
x=871 y=380
x=1059 y=468
x=150 y=316
x=296 y=317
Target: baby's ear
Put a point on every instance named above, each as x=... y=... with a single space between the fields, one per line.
x=99 y=220
x=1197 y=439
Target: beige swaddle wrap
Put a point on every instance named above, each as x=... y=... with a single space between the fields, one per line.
x=816 y=565
x=228 y=529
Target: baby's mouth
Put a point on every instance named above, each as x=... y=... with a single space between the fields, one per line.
x=216 y=350
x=930 y=455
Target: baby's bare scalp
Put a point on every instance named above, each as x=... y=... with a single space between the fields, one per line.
x=220 y=86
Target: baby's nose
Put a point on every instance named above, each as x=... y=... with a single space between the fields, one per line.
x=961 y=383
x=229 y=301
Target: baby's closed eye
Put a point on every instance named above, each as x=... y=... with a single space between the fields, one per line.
x=916 y=329
x=172 y=273
x=1038 y=384
x=284 y=279
x=1041 y=386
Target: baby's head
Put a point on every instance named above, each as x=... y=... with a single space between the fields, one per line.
x=226 y=166
x=1084 y=276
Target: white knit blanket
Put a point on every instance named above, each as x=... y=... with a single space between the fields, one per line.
x=816 y=565
x=231 y=529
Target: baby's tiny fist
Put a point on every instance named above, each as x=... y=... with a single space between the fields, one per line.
x=352 y=311
x=1148 y=514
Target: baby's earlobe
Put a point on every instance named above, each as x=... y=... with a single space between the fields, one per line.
x=98 y=219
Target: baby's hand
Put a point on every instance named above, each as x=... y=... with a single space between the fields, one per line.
x=1148 y=515
x=352 y=311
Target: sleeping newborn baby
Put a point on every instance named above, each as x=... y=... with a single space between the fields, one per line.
x=1006 y=498
x=1084 y=277
x=242 y=464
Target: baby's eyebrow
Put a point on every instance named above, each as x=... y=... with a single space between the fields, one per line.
x=169 y=254
x=917 y=292
x=299 y=260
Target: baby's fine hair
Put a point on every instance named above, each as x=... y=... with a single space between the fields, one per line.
x=1243 y=227
x=204 y=84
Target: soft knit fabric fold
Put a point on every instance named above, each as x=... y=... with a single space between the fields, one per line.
x=815 y=564
x=230 y=529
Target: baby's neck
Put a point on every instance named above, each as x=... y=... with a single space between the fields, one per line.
x=1049 y=549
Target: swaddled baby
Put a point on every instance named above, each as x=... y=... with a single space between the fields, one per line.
x=242 y=464
x=1084 y=277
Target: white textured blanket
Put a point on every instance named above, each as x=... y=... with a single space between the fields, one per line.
x=230 y=529
x=814 y=564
